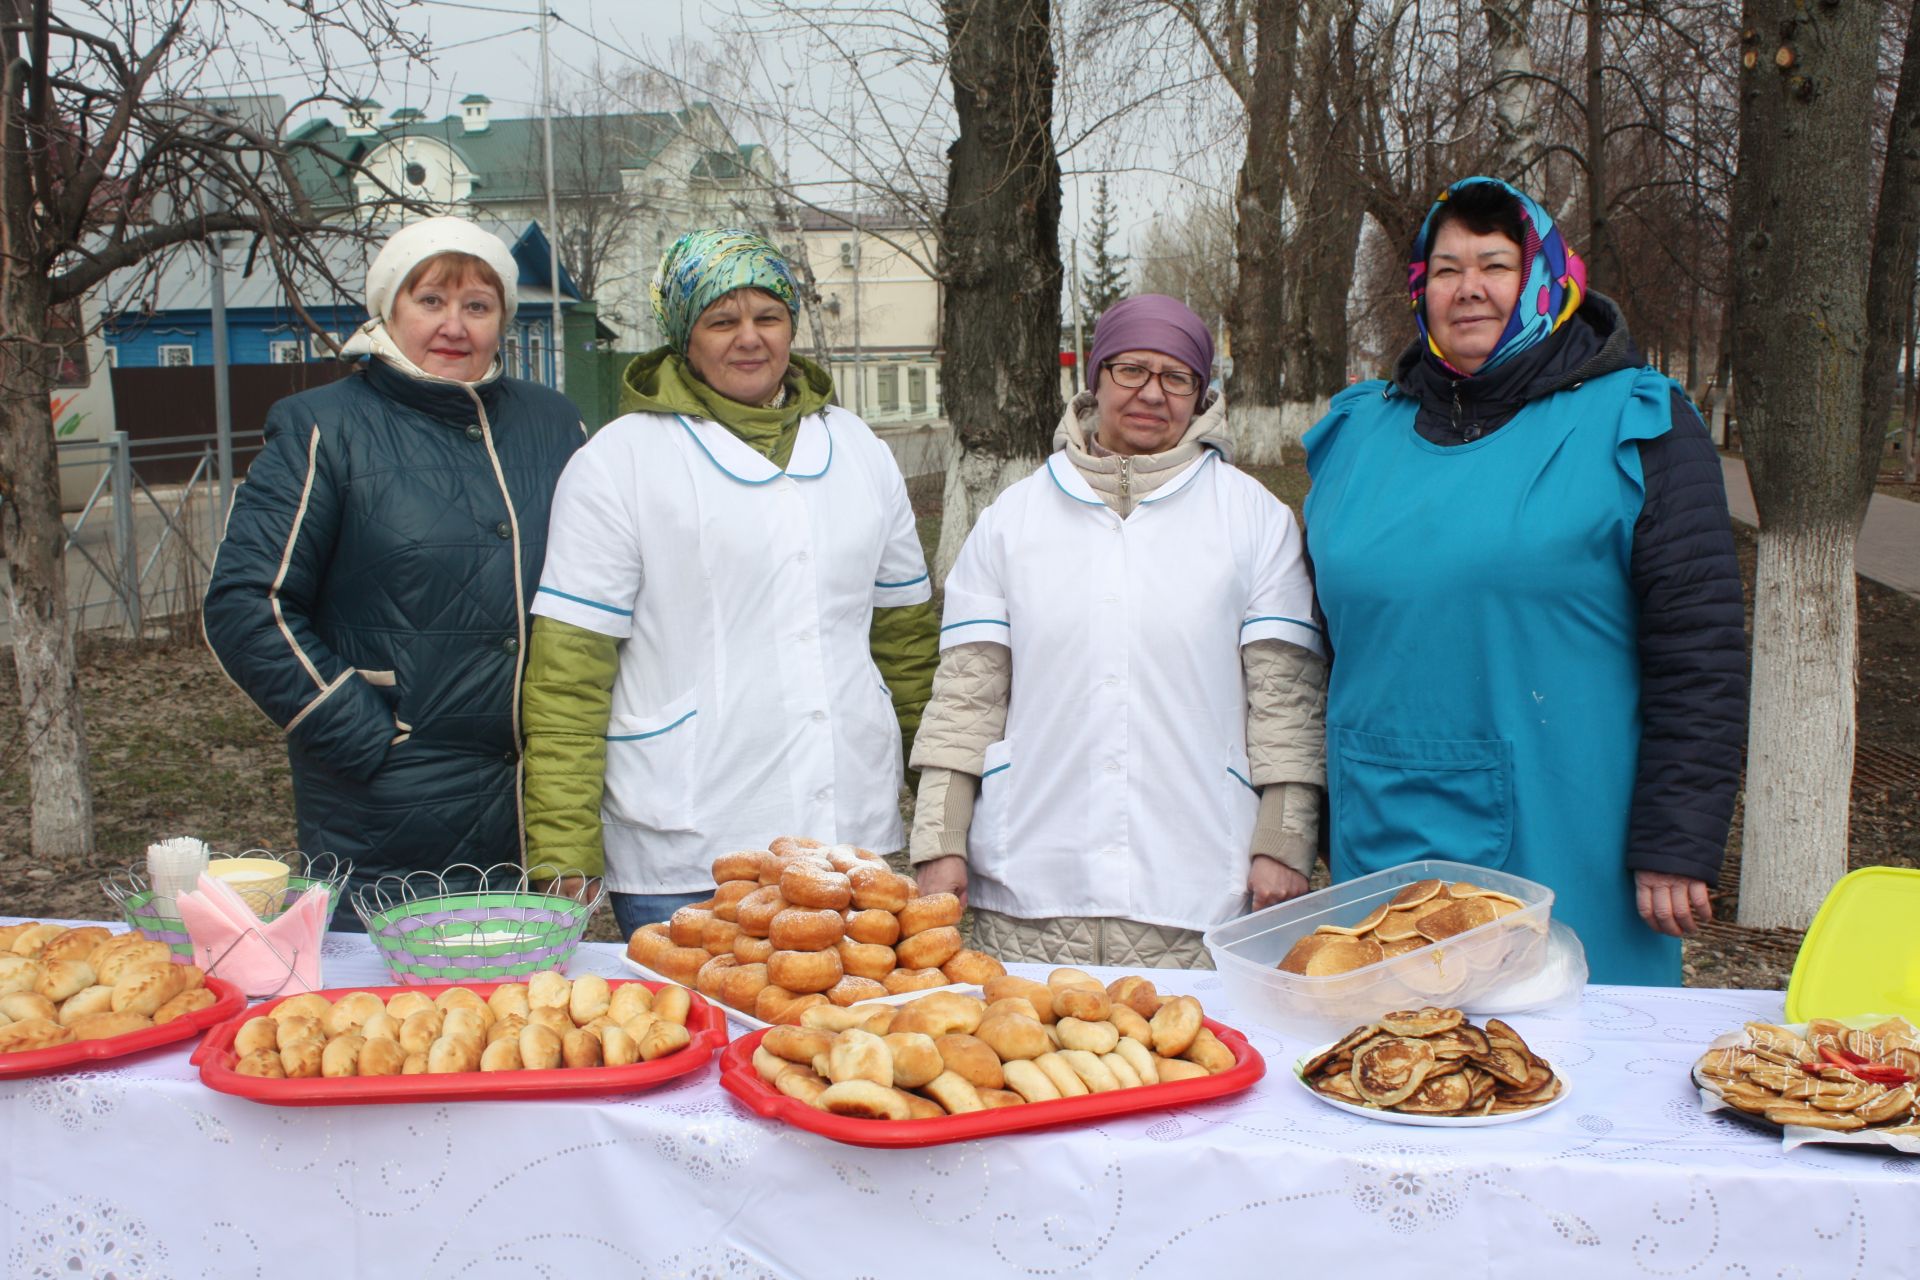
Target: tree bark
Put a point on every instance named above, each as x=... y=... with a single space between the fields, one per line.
x=1515 y=126
x=1259 y=316
x=1896 y=248
x=1598 y=247
x=1000 y=257
x=32 y=536
x=1799 y=341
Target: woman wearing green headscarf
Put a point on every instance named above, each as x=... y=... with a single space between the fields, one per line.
x=733 y=633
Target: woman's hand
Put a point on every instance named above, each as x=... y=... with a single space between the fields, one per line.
x=944 y=875
x=1269 y=881
x=579 y=888
x=1671 y=904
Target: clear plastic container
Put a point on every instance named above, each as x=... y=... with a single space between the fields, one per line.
x=1456 y=973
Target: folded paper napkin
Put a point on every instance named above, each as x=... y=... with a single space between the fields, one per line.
x=262 y=958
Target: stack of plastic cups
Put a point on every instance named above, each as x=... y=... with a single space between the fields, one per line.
x=174 y=867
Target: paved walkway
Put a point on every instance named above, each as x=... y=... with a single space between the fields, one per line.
x=1889 y=547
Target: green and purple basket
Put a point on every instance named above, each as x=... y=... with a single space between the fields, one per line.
x=135 y=897
x=487 y=926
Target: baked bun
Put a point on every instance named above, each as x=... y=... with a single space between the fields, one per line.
x=756 y=911
x=802 y=972
x=970 y=1058
x=75 y=944
x=929 y=949
x=1088 y=1004
x=681 y=964
x=806 y=929
x=748 y=949
x=916 y=1059
x=852 y=989
x=33 y=939
x=974 y=967
x=62 y=978
x=1066 y=977
x=1012 y=1036
x=744 y=865
x=934 y=911
x=1137 y=993
x=689 y=926
x=955 y=1093
x=726 y=899
x=859 y=1055
x=96 y=999
x=877 y=888
x=719 y=935
x=105 y=1026
x=941 y=1013
x=879 y=928
x=865 y=1100
x=1039 y=994
x=900 y=981
x=38 y=1033
x=807 y=885
x=867 y=960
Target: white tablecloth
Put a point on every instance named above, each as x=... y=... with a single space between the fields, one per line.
x=137 y=1170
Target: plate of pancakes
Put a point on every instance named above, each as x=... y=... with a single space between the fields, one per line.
x=1434 y=1068
x=1827 y=1080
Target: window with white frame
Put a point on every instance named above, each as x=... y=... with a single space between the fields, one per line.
x=176 y=355
x=286 y=351
x=113 y=357
x=536 y=367
x=887 y=383
x=512 y=365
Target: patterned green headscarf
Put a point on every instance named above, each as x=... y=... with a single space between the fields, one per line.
x=702 y=266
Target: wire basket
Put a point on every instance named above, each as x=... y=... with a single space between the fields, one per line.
x=135 y=897
x=468 y=924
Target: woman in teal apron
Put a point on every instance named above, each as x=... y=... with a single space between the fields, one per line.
x=1524 y=557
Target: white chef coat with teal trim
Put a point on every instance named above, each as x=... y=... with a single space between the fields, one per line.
x=1121 y=787
x=747 y=703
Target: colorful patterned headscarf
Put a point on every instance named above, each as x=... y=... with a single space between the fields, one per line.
x=702 y=266
x=1553 y=277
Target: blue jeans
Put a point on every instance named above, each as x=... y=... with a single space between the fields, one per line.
x=631 y=910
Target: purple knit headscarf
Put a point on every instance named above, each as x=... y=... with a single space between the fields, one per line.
x=1152 y=322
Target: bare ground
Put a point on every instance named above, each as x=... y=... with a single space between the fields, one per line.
x=176 y=749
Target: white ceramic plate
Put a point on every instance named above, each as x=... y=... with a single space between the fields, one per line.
x=1426 y=1122
x=754 y=1024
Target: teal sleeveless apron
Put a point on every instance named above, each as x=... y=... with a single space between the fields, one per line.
x=1484 y=705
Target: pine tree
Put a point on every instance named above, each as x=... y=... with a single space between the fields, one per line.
x=1105 y=281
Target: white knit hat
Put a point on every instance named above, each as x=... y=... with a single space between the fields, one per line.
x=414 y=243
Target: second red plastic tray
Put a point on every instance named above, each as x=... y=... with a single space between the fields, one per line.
x=86 y=1053
x=215 y=1059
x=739 y=1078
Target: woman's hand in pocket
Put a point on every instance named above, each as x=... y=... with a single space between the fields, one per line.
x=1671 y=904
x=1270 y=881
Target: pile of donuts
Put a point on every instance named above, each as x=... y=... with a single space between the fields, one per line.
x=1024 y=1042
x=799 y=924
x=544 y=1023
x=60 y=985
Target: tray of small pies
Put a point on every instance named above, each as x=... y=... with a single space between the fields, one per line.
x=73 y=996
x=1432 y=1067
x=545 y=1038
x=1025 y=1055
x=800 y=924
x=1849 y=1081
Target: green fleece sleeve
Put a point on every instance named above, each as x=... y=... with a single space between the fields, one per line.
x=906 y=647
x=563 y=712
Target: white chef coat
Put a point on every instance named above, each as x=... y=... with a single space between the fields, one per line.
x=1121 y=787
x=747 y=703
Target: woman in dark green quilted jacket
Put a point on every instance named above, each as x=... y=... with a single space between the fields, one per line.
x=371 y=593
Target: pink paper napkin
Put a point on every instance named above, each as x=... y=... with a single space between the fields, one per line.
x=233 y=944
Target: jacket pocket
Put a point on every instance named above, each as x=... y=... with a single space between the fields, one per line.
x=1398 y=800
x=650 y=767
x=987 y=838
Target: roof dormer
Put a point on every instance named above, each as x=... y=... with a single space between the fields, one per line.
x=473 y=112
x=361 y=116
x=407 y=115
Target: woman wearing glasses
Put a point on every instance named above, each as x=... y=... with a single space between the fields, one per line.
x=1124 y=742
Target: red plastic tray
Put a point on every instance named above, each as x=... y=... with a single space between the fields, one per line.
x=215 y=1058
x=82 y=1053
x=739 y=1078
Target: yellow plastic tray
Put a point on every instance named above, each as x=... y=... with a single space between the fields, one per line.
x=1862 y=953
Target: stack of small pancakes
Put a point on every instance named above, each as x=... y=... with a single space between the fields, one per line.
x=1419 y=915
x=1433 y=1062
x=1799 y=1079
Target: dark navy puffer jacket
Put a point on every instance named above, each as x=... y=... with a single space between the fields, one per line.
x=1693 y=662
x=371 y=597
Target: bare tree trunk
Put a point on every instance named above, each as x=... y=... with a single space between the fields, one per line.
x=1799 y=340
x=1000 y=257
x=1598 y=249
x=1896 y=250
x=1910 y=410
x=1516 y=127
x=1259 y=315
x=34 y=541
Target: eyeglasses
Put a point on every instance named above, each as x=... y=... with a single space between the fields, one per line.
x=1175 y=382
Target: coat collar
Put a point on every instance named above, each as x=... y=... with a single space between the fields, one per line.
x=445 y=401
x=1068 y=480
x=812 y=450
